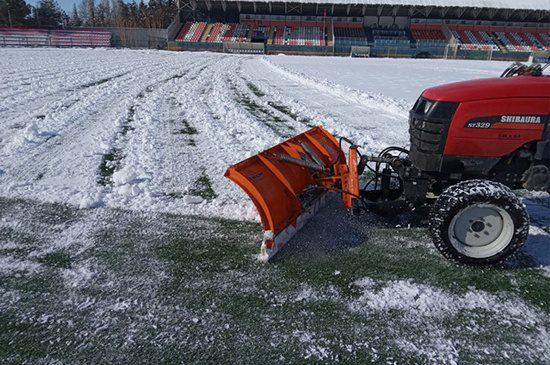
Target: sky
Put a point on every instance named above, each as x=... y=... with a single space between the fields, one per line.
x=66 y=5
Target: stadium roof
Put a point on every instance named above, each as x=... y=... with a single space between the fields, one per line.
x=493 y=4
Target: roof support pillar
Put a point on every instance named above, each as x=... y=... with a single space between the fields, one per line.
x=428 y=11
x=507 y=13
x=475 y=12
x=379 y=11
x=394 y=12
x=523 y=15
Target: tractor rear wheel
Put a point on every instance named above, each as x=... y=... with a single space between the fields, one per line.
x=478 y=222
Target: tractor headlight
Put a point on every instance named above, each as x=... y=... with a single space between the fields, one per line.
x=428 y=106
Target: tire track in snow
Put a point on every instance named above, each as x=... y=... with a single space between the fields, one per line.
x=305 y=116
x=369 y=125
x=84 y=97
x=69 y=155
x=53 y=80
x=276 y=107
x=153 y=153
x=259 y=111
x=112 y=160
x=177 y=177
x=58 y=93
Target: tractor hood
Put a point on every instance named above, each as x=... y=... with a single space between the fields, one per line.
x=493 y=88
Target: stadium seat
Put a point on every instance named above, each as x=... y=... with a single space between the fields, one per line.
x=23 y=37
x=390 y=37
x=80 y=38
x=56 y=38
x=350 y=34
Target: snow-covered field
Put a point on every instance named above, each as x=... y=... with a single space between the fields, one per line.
x=113 y=207
x=160 y=121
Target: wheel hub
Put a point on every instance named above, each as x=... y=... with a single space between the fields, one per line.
x=481 y=230
x=478 y=226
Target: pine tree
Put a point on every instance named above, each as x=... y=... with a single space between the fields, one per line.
x=48 y=13
x=83 y=11
x=90 y=6
x=133 y=14
x=75 y=20
x=142 y=14
x=104 y=12
x=122 y=14
x=14 y=12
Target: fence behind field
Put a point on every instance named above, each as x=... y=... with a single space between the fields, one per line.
x=139 y=37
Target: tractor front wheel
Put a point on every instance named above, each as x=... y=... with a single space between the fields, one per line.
x=478 y=222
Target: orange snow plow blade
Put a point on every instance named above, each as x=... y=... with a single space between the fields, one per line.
x=288 y=183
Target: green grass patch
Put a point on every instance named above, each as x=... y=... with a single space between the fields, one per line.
x=187 y=129
x=283 y=109
x=163 y=288
x=275 y=123
x=109 y=164
x=110 y=161
x=203 y=187
x=100 y=81
x=57 y=259
x=255 y=90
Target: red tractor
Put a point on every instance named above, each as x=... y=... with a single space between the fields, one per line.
x=470 y=143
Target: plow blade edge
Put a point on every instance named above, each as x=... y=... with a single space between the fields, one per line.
x=288 y=183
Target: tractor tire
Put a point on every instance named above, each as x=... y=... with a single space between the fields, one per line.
x=478 y=222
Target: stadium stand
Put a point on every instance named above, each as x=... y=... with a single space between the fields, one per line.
x=274 y=32
x=181 y=37
x=80 y=38
x=390 y=36
x=431 y=38
x=389 y=31
x=350 y=34
x=428 y=33
x=241 y=33
x=492 y=29
x=298 y=35
x=24 y=37
x=55 y=38
x=191 y=32
x=228 y=35
x=474 y=37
